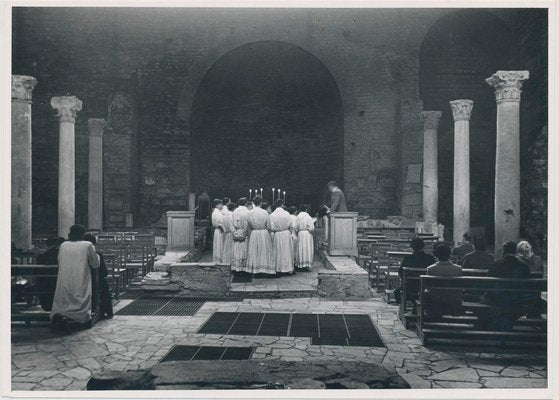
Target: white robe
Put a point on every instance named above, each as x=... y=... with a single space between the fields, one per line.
x=240 y=248
x=305 y=225
x=282 y=254
x=217 y=223
x=73 y=294
x=294 y=239
x=227 y=252
x=259 y=258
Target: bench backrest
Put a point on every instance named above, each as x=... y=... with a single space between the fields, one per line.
x=483 y=283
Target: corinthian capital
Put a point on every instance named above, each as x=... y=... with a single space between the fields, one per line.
x=96 y=126
x=66 y=107
x=431 y=119
x=461 y=109
x=508 y=84
x=22 y=87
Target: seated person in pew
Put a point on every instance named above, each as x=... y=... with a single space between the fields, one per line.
x=443 y=301
x=419 y=259
x=525 y=254
x=105 y=297
x=466 y=247
x=508 y=306
x=479 y=258
x=47 y=285
x=73 y=296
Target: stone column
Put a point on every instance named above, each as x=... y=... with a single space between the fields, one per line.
x=66 y=107
x=22 y=88
x=96 y=127
x=507 y=86
x=461 y=111
x=430 y=166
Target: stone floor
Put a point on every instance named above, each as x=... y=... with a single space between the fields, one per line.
x=44 y=361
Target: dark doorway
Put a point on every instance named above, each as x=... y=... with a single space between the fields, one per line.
x=267 y=115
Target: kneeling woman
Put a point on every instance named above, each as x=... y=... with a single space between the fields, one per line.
x=73 y=295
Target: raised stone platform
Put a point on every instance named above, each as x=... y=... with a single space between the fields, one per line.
x=343 y=278
x=201 y=279
x=252 y=374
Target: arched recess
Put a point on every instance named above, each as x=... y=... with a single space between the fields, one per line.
x=458 y=53
x=266 y=114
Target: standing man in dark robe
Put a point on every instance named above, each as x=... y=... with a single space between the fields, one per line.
x=337 y=198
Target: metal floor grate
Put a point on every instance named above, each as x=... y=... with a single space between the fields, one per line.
x=187 y=353
x=323 y=329
x=176 y=306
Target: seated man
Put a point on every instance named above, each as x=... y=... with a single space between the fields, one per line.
x=479 y=258
x=419 y=259
x=459 y=252
x=443 y=301
x=507 y=310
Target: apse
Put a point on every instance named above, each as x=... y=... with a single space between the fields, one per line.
x=267 y=115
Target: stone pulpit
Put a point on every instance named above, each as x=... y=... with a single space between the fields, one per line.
x=342 y=234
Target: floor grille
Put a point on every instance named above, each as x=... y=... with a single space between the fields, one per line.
x=323 y=329
x=176 y=306
x=188 y=353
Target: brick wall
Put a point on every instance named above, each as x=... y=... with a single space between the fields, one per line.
x=159 y=57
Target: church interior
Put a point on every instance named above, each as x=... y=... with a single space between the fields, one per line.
x=430 y=122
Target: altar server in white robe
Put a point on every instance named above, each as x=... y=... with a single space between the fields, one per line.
x=305 y=226
x=294 y=240
x=227 y=253
x=73 y=294
x=219 y=230
x=225 y=209
x=282 y=254
x=240 y=237
x=259 y=259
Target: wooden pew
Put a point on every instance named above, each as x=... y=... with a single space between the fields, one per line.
x=461 y=329
x=410 y=285
x=23 y=312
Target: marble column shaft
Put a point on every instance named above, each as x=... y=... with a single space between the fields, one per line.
x=67 y=107
x=507 y=86
x=461 y=111
x=430 y=166
x=22 y=89
x=96 y=127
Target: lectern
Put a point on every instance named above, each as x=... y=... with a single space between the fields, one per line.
x=342 y=234
x=180 y=230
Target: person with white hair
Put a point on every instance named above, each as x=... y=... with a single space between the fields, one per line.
x=525 y=253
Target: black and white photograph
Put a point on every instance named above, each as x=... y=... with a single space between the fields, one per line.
x=272 y=201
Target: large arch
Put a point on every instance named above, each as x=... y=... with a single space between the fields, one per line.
x=458 y=52
x=266 y=114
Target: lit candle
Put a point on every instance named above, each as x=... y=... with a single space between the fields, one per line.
x=284 y=197
x=273 y=195
x=250 y=194
x=279 y=194
x=261 y=193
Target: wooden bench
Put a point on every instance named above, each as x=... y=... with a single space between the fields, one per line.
x=27 y=313
x=462 y=329
x=410 y=289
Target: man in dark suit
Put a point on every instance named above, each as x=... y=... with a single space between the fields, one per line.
x=337 y=199
x=508 y=304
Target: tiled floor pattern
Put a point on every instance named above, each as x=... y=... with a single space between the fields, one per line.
x=44 y=361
